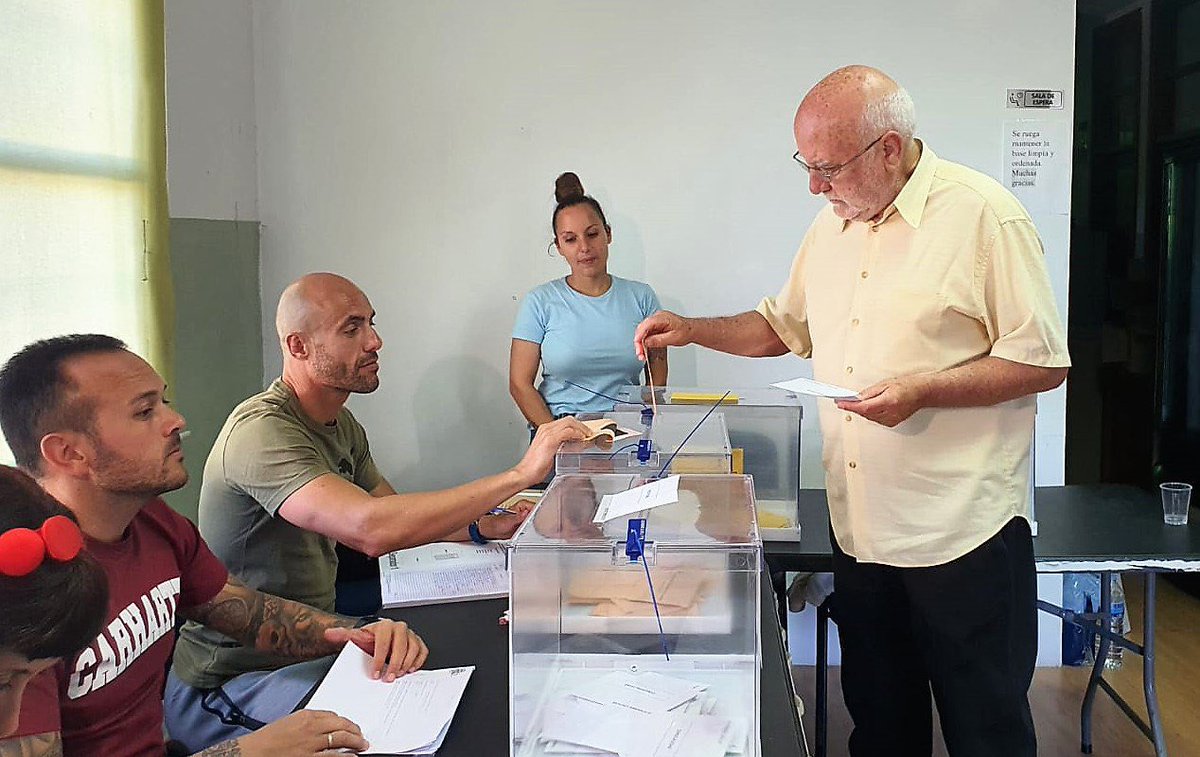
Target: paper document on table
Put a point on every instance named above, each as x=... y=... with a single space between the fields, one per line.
x=816 y=389
x=664 y=491
x=411 y=715
x=443 y=572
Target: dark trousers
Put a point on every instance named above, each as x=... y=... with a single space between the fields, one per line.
x=965 y=632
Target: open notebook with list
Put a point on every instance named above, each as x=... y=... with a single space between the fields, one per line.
x=443 y=572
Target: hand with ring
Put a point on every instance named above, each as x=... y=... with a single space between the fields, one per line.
x=303 y=734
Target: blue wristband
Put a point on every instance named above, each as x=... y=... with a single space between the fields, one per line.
x=476 y=537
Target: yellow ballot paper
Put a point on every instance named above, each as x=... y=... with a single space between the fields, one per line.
x=702 y=398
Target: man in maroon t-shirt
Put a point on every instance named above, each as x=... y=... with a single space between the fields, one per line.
x=90 y=421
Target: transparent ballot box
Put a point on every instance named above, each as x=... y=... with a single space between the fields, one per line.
x=590 y=664
x=764 y=433
x=706 y=449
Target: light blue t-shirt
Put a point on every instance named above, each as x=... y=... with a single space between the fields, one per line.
x=586 y=340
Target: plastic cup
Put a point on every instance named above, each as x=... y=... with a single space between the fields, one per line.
x=1176 y=497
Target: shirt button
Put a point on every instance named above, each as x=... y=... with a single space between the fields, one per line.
x=849 y=369
x=853 y=464
x=864 y=274
x=853 y=321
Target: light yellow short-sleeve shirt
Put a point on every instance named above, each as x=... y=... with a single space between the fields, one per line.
x=952 y=272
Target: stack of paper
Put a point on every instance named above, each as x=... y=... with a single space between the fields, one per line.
x=617 y=592
x=640 y=715
x=443 y=572
x=411 y=715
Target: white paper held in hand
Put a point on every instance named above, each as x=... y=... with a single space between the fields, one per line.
x=408 y=716
x=664 y=491
x=816 y=389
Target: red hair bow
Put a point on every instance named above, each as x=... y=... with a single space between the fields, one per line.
x=22 y=550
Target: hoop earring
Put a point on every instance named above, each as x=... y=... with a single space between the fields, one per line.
x=550 y=248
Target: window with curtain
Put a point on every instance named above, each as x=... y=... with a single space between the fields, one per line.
x=82 y=174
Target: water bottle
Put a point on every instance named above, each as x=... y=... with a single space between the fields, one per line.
x=1116 y=623
x=1076 y=641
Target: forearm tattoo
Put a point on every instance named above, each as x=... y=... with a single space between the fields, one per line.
x=224 y=749
x=269 y=623
x=41 y=745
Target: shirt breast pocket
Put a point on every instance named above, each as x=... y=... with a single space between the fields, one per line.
x=908 y=331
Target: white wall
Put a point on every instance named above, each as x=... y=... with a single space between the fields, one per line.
x=413 y=147
x=211 y=140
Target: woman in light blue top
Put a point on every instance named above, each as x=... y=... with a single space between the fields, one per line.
x=579 y=328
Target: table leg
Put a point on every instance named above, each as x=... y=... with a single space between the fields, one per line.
x=780 y=586
x=821 y=711
x=1148 y=673
x=1089 y=696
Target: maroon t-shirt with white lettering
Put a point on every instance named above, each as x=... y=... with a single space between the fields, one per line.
x=108 y=699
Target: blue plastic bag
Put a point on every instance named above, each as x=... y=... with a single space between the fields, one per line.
x=1081 y=593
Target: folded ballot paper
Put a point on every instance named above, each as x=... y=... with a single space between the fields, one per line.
x=664 y=491
x=816 y=389
x=411 y=715
x=640 y=715
x=607 y=430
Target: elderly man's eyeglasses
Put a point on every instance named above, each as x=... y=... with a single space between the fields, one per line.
x=827 y=174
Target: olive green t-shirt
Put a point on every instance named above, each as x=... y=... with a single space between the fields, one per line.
x=267 y=450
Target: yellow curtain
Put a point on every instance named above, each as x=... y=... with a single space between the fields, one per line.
x=83 y=196
x=158 y=300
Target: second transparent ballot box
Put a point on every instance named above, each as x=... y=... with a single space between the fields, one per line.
x=706 y=449
x=599 y=657
x=763 y=424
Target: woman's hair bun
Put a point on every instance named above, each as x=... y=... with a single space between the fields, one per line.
x=567 y=187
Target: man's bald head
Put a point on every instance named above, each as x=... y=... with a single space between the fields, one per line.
x=326 y=329
x=311 y=301
x=860 y=101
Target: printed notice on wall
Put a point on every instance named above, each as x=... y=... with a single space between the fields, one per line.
x=1037 y=164
x=1035 y=98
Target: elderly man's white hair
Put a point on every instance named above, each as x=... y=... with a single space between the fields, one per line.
x=893 y=111
x=885 y=105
